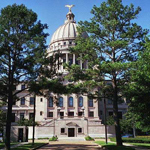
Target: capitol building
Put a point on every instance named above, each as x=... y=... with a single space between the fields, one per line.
x=75 y=115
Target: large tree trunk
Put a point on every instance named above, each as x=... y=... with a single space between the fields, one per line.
x=115 y=113
x=8 y=120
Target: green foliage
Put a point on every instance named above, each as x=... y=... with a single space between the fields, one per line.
x=26 y=122
x=22 y=53
x=88 y=138
x=112 y=46
x=133 y=140
x=44 y=138
x=54 y=138
x=138 y=90
x=110 y=120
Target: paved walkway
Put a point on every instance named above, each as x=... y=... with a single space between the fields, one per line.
x=71 y=145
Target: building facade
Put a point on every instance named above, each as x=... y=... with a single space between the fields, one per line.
x=76 y=115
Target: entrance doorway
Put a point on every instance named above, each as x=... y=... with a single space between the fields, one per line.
x=71 y=132
x=20 y=135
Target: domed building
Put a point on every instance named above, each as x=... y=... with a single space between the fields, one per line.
x=75 y=115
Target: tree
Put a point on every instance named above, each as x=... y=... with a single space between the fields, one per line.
x=138 y=90
x=113 y=44
x=22 y=53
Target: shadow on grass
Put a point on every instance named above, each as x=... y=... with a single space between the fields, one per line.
x=70 y=147
x=27 y=146
x=113 y=146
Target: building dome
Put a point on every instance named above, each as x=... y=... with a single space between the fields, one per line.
x=68 y=31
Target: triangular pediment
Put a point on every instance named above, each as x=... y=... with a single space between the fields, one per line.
x=71 y=124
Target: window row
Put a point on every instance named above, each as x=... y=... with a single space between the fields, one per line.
x=70 y=102
x=13 y=118
x=62 y=130
x=71 y=114
x=60 y=101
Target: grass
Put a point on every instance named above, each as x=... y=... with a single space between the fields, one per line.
x=133 y=140
x=113 y=146
x=3 y=144
x=146 y=145
x=27 y=146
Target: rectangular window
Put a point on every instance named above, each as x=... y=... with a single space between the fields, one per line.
x=109 y=101
x=61 y=114
x=14 y=102
x=41 y=113
x=31 y=100
x=91 y=114
x=101 y=112
x=70 y=61
x=51 y=102
x=50 y=114
x=31 y=115
x=80 y=114
x=60 y=102
x=21 y=116
x=110 y=113
x=70 y=114
x=120 y=115
x=62 y=130
x=41 y=99
x=70 y=101
x=13 y=117
x=90 y=102
x=22 y=101
x=79 y=130
x=23 y=86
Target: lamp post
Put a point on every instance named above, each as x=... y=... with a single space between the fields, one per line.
x=105 y=118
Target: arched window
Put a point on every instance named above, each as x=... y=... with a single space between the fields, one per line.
x=60 y=101
x=70 y=102
x=51 y=102
x=80 y=101
x=90 y=102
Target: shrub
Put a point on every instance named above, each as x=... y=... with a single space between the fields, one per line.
x=44 y=138
x=88 y=138
x=54 y=138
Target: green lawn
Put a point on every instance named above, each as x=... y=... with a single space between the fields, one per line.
x=3 y=144
x=113 y=146
x=146 y=145
x=28 y=146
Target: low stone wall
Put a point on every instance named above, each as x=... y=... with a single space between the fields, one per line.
x=41 y=132
x=99 y=131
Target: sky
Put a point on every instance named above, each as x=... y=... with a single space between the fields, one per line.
x=53 y=12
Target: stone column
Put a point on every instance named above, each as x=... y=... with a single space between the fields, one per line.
x=75 y=104
x=86 y=106
x=45 y=107
x=65 y=105
x=66 y=57
x=74 y=59
x=81 y=61
x=96 y=108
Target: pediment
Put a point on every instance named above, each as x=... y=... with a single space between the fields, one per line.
x=72 y=124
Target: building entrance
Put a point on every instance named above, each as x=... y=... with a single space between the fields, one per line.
x=71 y=132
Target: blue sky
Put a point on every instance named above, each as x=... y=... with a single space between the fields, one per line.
x=53 y=12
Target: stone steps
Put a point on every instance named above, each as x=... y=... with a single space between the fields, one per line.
x=73 y=139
